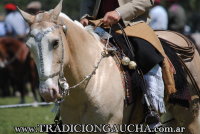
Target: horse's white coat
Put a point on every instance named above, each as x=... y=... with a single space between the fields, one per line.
x=101 y=100
x=65 y=16
x=88 y=28
x=46 y=54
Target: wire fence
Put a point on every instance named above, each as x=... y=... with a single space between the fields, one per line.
x=35 y=104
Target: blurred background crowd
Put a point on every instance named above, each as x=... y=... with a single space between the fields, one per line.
x=16 y=65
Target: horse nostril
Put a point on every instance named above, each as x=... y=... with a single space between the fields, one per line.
x=56 y=93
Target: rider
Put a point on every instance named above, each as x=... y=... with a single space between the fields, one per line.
x=177 y=16
x=15 y=24
x=159 y=16
x=132 y=13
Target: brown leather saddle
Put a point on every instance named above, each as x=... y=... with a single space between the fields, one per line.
x=183 y=47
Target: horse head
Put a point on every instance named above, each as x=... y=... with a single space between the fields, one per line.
x=46 y=42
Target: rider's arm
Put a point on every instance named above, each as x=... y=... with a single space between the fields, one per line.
x=127 y=11
x=134 y=8
x=87 y=7
x=86 y=10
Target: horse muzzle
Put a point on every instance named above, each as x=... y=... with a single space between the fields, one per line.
x=49 y=91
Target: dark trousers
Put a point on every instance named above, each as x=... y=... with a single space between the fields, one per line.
x=146 y=56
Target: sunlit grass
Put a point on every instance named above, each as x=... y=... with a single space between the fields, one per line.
x=14 y=100
x=26 y=116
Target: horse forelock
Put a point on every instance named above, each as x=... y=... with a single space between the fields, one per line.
x=43 y=16
x=90 y=29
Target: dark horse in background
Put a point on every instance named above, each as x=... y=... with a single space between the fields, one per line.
x=16 y=69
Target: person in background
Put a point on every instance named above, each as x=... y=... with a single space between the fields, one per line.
x=159 y=17
x=15 y=24
x=177 y=16
x=2 y=27
x=34 y=7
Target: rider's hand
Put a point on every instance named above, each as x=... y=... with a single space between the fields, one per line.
x=111 y=18
x=84 y=21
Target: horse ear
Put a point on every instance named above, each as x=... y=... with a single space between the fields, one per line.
x=28 y=17
x=56 y=11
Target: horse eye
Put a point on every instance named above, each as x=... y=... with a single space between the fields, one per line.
x=55 y=44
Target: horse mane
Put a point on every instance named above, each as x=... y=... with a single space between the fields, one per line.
x=89 y=28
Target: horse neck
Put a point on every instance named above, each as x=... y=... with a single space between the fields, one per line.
x=85 y=51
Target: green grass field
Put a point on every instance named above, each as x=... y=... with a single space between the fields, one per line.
x=25 y=116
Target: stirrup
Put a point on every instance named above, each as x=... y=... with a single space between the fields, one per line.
x=152 y=119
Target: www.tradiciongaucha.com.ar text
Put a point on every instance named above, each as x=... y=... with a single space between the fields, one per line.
x=94 y=128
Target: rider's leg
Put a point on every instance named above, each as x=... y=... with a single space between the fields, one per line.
x=154 y=96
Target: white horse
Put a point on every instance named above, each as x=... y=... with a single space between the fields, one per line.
x=100 y=98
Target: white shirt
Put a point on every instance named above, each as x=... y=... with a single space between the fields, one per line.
x=159 y=18
x=15 y=24
x=3 y=29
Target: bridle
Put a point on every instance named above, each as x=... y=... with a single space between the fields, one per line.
x=38 y=38
x=63 y=85
x=62 y=82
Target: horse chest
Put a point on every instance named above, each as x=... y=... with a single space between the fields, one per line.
x=84 y=113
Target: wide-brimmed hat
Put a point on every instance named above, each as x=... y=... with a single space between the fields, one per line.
x=34 y=5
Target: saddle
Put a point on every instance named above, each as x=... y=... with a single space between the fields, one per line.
x=185 y=49
x=142 y=30
x=182 y=46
